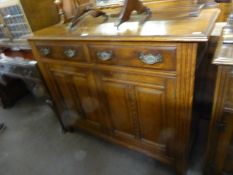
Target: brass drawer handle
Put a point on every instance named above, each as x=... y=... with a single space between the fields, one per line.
x=150 y=58
x=105 y=55
x=45 y=51
x=70 y=53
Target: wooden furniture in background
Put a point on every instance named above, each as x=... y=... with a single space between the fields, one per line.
x=70 y=7
x=226 y=8
x=133 y=86
x=207 y=76
x=220 y=142
x=73 y=7
x=61 y=11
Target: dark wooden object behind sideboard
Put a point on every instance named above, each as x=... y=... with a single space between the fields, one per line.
x=220 y=142
x=26 y=54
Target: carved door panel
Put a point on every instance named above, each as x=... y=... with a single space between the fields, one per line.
x=151 y=110
x=224 y=152
x=118 y=107
x=140 y=108
x=76 y=92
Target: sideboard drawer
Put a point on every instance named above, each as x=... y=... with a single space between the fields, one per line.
x=141 y=56
x=63 y=51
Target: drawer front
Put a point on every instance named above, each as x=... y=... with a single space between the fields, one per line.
x=146 y=56
x=62 y=51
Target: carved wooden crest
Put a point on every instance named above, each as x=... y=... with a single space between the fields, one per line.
x=129 y=7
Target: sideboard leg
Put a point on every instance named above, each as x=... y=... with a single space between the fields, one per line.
x=180 y=171
x=181 y=166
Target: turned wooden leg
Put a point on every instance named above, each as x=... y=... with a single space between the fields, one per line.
x=181 y=159
x=181 y=168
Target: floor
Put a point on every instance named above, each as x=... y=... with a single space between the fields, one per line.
x=33 y=144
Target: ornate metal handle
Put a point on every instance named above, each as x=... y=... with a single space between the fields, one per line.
x=70 y=53
x=45 y=51
x=105 y=55
x=150 y=58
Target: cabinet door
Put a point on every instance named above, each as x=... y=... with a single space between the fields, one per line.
x=139 y=108
x=224 y=152
x=76 y=93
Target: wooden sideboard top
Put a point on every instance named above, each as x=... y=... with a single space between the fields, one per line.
x=223 y=54
x=168 y=23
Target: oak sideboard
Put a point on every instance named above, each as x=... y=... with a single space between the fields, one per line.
x=133 y=86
